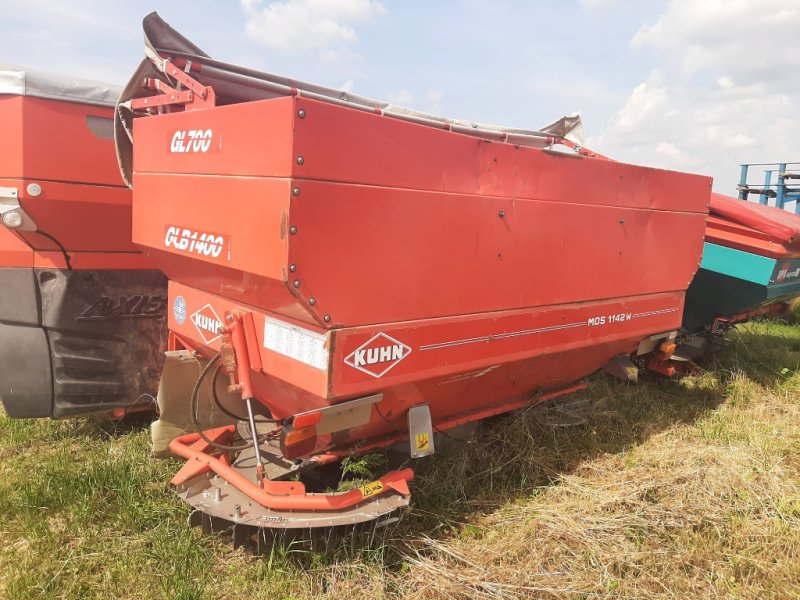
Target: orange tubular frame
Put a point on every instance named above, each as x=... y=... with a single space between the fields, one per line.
x=275 y=495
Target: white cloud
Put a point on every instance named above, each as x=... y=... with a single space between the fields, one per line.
x=670 y=150
x=722 y=90
x=429 y=101
x=327 y=26
x=648 y=100
x=749 y=36
x=725 y=82
x=592 y=4
x=92 y=39
x=402 y=98
x=433 y=101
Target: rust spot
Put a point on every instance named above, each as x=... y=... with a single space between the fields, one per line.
x=284 y=223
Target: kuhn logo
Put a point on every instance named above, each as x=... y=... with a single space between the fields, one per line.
x=191 y=140
x=208 y=324
x=378 y=355
x=189 y=240
x=785 y=272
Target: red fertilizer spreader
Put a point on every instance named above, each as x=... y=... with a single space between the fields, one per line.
x=347 y=275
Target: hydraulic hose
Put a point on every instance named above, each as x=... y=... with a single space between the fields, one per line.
x=195 y=404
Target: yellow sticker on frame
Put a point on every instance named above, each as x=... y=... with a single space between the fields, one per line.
x=371 y=489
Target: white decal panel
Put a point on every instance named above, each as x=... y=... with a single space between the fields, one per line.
x=302 y=345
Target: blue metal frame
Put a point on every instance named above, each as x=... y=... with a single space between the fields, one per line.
x=782 y=191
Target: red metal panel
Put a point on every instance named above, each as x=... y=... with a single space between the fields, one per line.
x=372 y=255
x=434 y=348
x=779 y=224
x=453 y=345
x=13 y=251
x=59 y=144
x=469 y=395
x=244 y=139
x=248 y=214
x=727 y=233
x=340 y=144
x=86 y=218
x=11 y=125
x=458 y=365
x=91 y=260
x=51 y=143
x=205 y=332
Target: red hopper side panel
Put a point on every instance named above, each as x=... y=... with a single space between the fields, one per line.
x=343 y=218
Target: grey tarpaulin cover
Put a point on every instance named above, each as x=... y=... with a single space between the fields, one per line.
x=234 y=84
x=20 y=81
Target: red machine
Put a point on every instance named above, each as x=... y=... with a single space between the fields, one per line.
x=362 y=275
x=753 y=227
x=81 y=310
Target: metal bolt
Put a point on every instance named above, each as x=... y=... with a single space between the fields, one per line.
x=217 y=494
x=295 y=191
x=34 y=189
x=327 y=318
x=237 y=511
x=300 y=160
x=229 y=318
x=502 y=213
x=312 y=301
x=292 y=229
x=293 y=268
x=622 y=220
x=301 y=113
x=297 y=283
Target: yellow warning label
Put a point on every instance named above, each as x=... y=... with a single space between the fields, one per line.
x=376 y=487
x=422 y=441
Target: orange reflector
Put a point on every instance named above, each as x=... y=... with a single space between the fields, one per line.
x=298 y=442
x=668 y=348
x=306 y=419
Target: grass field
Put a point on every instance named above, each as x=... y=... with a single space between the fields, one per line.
x=676 y=489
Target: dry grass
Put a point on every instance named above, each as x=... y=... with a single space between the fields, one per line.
x=675 y=489
x=675 y=517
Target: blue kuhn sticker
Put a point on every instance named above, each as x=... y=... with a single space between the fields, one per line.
x=179 y=310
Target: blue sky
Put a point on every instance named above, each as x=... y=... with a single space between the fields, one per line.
x=697 y=85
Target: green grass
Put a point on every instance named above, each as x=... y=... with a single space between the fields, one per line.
x=686 y=488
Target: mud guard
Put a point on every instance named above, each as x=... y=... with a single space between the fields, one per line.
x=79 y=342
